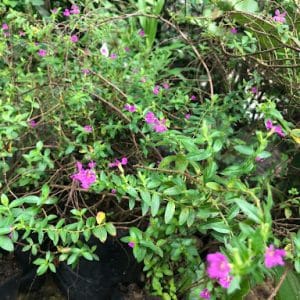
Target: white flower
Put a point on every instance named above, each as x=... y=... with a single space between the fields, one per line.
x=104 y=50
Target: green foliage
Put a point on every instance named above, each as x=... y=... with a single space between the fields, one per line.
x=214 y=179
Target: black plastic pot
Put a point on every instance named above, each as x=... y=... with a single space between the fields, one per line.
x=99 y=280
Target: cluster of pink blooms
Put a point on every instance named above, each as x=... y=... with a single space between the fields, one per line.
x=73 y=11
x=274 y=257
x=157 y=125
x=5 y=29
x=42 y=52
x=32 y=123
x=279 y=17
x=275 y=128
x=130 y=108
x=193 y=98
x=142 y=33
x=74 y=38
x=88 y=128
x=118 y=163
x=85 y=71
x=233 y=30
x=254 y=90
x=85 y=176
x=156 y=89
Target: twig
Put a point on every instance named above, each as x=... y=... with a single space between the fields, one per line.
x=282 y=278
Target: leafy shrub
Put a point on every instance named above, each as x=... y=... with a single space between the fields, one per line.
x=100 y=133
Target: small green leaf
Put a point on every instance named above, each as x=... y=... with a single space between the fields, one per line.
x=246 y=150
x=6 y=243
x=111 y=229
x=184 y=214
x=100 y=233
x=155 y=203
x=169 y=213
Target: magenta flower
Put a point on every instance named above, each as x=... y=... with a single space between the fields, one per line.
x=118 y=163
x=113 y=56
x=156 y=90
x=104 y=50
x=127 y=49
x=22 y=33
x=254 y=90
x=86 y=71
x=54 y=10
x=279 y=17
x=32 y=123
x=5 y=26
x=218 y=266
x=233 y=30
x=130 y=108
x=88 y=128
x=42 y=52
x=274 y=257
x=166 y=86
x=142 y=33
x=187 y=116
x=277 y=128
x=113 y=191
x=193 y=97
x=85 y=176
x=160 y=126
x=258 y=159
x=205 y=294
x=92 y=165
x=131 y=244
x=75 y=10
x=66 y=12
x=225 y=281
x=150 y=117
x=74 y=38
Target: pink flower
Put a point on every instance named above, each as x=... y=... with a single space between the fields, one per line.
x=142 y=33
x=54 y=10
x=225 y=281
x=274 y=257
x=42 y=52
x=118 y=163
x=88 y=128
x=160 y=126
x=187 y=116
x=75 y=10
x=277 y=128
x=113 y=56
x=85 y=176
x=258 y=159
x=113 y=191
x=233 y=30
x=6 y=33
x=5 y=26
x=130 y=108
x=86 y=71
x=205 y=294
x=104 y=50
x=156 y=90
x=193 y=97
x=279 y=17
x=131 y=244
x=166 y=86
x=127 y=49
x=66 y=12
x=150 y=117
x=92 y=164
x=22 y=33
x=143 y=80
x=32 y=123
x=74 y=38
x=218 y=266
x=254 y=90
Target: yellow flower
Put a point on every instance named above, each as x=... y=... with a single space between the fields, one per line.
x=100 y=218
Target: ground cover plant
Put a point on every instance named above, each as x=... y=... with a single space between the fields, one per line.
x=175 y=122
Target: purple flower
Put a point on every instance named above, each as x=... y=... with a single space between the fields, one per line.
x=92 y=164
x=118 y=163
x=42 y=52
x=160 y=126
x=54 y=10
x=74 y=38
x=113 y=56
x=88 y=128
x=86 y=71
x=6 y=33
x=75 y=10
x=124 y=161
x=225 y=281
x=274 y=257
x=218 y=266
x=66 y=12
x=130 y=108
x=150 y=117
x=22 y=33
x=113 y=191
x=277 y=128
x=142 y=33
x=32 y=123
x=5 y=26
x=187 y=116
x=166 y=86
x=258 y=159
x=85 y=176
x=254 y=90
x=156 y=90
x=131 y=244
x=205 y=294
x=127 y=49
x=193 y=97
x=279 y=17
x=233 y=30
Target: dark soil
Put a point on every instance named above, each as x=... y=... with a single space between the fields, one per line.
x=8 y=267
